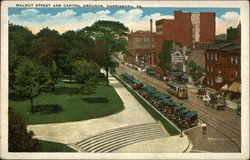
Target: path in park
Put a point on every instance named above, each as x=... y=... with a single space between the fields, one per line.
x=132 y=114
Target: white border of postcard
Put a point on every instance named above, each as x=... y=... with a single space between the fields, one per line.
x=244 y=16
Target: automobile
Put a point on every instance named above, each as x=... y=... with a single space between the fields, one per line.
x=206 y=98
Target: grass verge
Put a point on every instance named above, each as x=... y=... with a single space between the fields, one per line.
x=47 y=146
x=170 y=128
x=67 y=104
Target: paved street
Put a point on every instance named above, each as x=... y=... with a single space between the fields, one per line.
x=223 y=126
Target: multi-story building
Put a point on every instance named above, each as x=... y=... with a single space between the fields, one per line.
x=234 y=33
x=141 y=46
x=222 y=64
x=194 y=30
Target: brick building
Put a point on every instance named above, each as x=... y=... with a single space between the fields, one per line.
x=194 y=30
x=222 y=64
x=141 y=46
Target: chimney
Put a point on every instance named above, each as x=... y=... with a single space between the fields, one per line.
x=151 y=25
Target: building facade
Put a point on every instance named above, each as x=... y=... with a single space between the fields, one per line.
x=234 y=33
x=222 y=62
x=141 y=46
x=194 y=30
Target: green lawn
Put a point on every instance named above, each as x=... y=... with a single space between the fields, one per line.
x=47 y=146
x=66 y=104
x=170 y=128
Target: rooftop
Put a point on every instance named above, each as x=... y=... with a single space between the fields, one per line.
x=225 y=46
x=219 y=45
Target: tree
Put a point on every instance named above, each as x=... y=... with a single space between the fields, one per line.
x=86 y=71
x=20 y=39
x=110 y=35
x=30 y=78
x=69 y=61
x=48 y=46
x=195 y=70
x=165 y=55
x=20 y=140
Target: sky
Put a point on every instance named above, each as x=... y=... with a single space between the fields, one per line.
x=64 y=19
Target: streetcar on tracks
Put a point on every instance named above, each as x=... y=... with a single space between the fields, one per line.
x=178 y=89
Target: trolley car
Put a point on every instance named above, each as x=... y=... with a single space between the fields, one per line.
x=180 y=90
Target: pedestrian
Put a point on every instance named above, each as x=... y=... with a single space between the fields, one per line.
x=204 y=128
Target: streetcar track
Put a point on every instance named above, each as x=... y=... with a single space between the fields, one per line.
x=209 y=118
x=212 y=120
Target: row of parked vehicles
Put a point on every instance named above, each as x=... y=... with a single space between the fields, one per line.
x=212 y=100
x=177 y=113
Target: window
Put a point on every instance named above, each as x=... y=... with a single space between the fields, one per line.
x=153 y=39
x=207 y=67
x=159 y=26
x=137 y=46
x=212 y=82
x=212 y=69
x=153 y=46
x=159 y=33
x=146 y=39
x=236 y=60
x=236 y=74
x=138 y=39
x=231 y=73
x=212 y=56
x=207 y=81
x=232 y=60
x=146 y=46
x=215 y=56
x=207 y=55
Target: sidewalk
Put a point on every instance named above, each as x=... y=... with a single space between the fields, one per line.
x=173 y=144
x=133 y=114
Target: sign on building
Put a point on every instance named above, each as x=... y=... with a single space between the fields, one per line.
x=219 y=79
x=177 y=57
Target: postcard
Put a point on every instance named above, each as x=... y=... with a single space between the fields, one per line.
x=124 y=80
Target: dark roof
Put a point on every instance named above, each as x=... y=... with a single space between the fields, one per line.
x=225 y=46
x=174 y=83
x=191 y=114
x=184 y=111
x=231 y=47
x=219 y=45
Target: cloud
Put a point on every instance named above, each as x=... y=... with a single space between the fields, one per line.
x=230 y=16
x=70 y=20
x=228 y=19
x=29 y=12
x=133 y=18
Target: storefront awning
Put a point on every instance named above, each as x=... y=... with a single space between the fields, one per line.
x=225 y=87
x=235 y=87
x=202 y=78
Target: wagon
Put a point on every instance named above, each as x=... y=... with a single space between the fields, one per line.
x=201 y=92
x=190 y=119
x=136 y=84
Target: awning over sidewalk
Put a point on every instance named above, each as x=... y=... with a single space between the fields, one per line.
x=225 y=87
x=202 y=78
x=235 y=87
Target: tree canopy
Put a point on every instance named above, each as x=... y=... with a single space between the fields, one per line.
x=20 y=140
x=165 y=55
x=110 y=36
x=30 y=78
